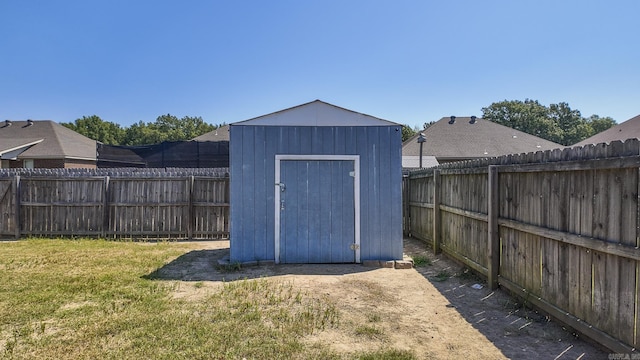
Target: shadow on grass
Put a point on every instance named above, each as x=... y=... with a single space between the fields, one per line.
x=202 y=265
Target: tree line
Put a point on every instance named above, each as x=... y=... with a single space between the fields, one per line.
x=166 y=128
x=556 y=122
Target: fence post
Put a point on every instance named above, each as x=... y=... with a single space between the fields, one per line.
x=405 y=205
x=16 y=188
x=105 y=207
x=436 y=211
x=190 y=212
x=494 y=237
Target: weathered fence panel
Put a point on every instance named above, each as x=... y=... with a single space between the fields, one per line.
x=60 y=206
x=210 y=204
x=123 y=204
x=464 y=216
x=148 y=207
x=8 y=214
x=568 y=238
x=421 y=206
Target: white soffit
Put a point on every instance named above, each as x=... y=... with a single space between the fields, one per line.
x=11 y=148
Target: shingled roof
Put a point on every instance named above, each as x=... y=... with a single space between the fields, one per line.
x=627 y=130
x=45 y=139
x=219 y=134
x=466 y=139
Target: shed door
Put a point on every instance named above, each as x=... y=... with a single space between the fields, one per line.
x=317 y=211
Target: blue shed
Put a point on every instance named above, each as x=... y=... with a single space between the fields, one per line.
x=316 y=183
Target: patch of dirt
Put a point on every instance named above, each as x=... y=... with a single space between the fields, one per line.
x=432 y=310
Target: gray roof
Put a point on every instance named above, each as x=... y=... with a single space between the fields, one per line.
x=316 y=113
x=629 y=129
x=7 y=145
x=58 y=142
x=219 y=134
x=464 y=140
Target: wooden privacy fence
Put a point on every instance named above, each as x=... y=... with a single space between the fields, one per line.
x=158 y=207
x=558 y=228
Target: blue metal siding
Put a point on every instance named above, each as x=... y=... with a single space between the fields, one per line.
x=272 y=134
x=261 y=207
x=367 y=191
x=252 y=157
x=394 y=210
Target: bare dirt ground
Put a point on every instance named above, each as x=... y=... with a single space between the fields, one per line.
x=431 y=310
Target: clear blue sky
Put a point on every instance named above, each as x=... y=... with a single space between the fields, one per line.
x=406 y=61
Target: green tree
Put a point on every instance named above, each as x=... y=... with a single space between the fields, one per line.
x=572 y=125
x=141 y=133
x=426 y=125
x=528 y=116
x=97 y=129
x=182 y=129
x=166 y=128
x=558 y=122
x=407 y=132
x=600 y=124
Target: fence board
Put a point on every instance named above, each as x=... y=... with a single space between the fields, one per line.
x=7 y=207
x=586 y=259
x=151 y=206
x=575 y=186
x=575 y=298
x=537 y=243
x=636 y=306
x=211 y=208
x=436 y=214
x=421 y=217
x=54 y=206
x=569 y=230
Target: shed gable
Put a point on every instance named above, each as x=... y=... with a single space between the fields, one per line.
x=315 y=183
x=316 y=113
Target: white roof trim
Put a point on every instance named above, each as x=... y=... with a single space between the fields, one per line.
x=65 y=157
x=316 y=113
x=13 y=152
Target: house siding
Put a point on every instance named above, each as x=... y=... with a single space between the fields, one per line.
x=252 y=157
x=75 y=164
x=55 y=163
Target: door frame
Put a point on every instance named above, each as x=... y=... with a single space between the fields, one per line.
x=356 y=194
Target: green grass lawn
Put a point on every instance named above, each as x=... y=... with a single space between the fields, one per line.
x=90 y=299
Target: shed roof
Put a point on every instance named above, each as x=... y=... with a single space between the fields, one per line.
x=58 y=142
x=466 y=140
x=627 y=130
x=219 y=134
x=316 y=113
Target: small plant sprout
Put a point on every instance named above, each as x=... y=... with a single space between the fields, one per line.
x=421 y=261
x=442 y=275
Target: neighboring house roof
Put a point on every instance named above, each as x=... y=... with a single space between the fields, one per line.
x=627 y=130
x=57 y=141
x=316 y=113
x=11 y=148
x=219 y=134
x=466 y=140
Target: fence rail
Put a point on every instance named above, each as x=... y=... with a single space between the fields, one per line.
x=559 y=228
x=155 y=205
